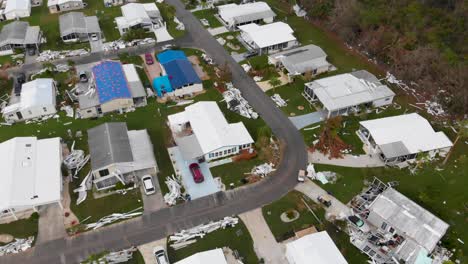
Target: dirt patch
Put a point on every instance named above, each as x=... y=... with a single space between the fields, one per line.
x=198 y=69
x=6 y=238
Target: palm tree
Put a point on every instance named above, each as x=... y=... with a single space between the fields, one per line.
x=274 y=81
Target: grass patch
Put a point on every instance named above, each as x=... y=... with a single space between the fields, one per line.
x=261 y=67
x=22 y=228
x=292 y=94
x=137 y=258
x=282 y=231
x=235 y=172
x=234 y=42
x=209 y=15
x=236 y=238
x=168 y=14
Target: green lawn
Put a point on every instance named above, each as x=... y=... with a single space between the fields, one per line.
x=292 y=94
x=233 y=41
x=441 y=192
x=22 y=228
x=208 y=14
x=168 y=13
x=235 y=172
x=260 y=65
x=236 y=238
x=136 y=259
x=282 y=231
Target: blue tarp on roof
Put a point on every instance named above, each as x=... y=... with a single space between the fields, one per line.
x=110 y=81
x=170 y=55
x=181 y=73
x=162 y=85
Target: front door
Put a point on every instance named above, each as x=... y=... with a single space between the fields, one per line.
x=19 y=115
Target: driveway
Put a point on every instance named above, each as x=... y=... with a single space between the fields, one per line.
x=162 y=34
x=96 y=46
x=265 y=245
x=308 y=119
x=218 y=30
x=355 y=161
x=337 y=209
x=196 y=190
x=51 y=223
x=155 y=201
x=146 y=250
x=152 y=71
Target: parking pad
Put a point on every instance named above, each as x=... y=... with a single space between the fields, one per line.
x=196 y=190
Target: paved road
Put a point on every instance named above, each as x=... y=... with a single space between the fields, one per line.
x=166 y=221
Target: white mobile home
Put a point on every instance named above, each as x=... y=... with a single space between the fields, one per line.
x=15 y=9
x=57 y=6
x=346 y=93
x=269 y=38
x=136 y=15
x=202 y=133
x=37 y=99
x=234 y=15
x=401 y=138
x=31 y=174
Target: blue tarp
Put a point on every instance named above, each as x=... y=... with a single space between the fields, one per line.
x=162 y=85
x=181 y=73
x=170 y=55
x=110 y=81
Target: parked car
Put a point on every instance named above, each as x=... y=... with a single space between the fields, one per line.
x=250 y=54
x=160 y=255
x=18 y=87
x=301 y=176
x=359 y=223
x=21 y=78
x=83 y=77
x=196 y=173
x=168 y=47
x=324 y=200
x=94 y=37
x=149 y=59
x=31 y=51
x=148 y=185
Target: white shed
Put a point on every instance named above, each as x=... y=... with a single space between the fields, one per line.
x=37 y=99
x=235 y=15
x=268 y=38
x=17 y=9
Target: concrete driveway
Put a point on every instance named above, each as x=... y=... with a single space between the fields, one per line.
x=155 y=201
x=154 y=70
x=162 y=34
x=307 y=119
x=355 y=161
x=51 y=223
x=265 y=244
x=146 y=250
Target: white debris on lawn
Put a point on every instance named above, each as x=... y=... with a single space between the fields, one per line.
x=326 y=177
x=113 y=218
x=263 y=169
x=49 y=55
x=280 y=102
x=205 y=22
x=85 y=185
x=62 y=67
x=246 y=67
x=257 y=78
x=174 y=185
x=120 y=44
x=200 y=231
x=207 y=59
x=180 y=25
x=76 y=160
x=221 y=41
x=41 y=71
x=122 y=256
x=299 y=11
x=69 y=110
x=311 y=171
x=16 y=246
x=236 y=103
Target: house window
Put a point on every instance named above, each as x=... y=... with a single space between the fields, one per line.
x=366 y=249
x=371 y=253
x=44 y=108
x=104 y=172
x=391 y=230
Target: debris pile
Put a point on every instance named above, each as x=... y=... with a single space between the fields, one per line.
x=122 y=256
x=180 y=25
x=68 y=109
x=76 y=160
x=207 y=59
x=50 y=55
x=299 y=11
x=280 y=102
x=19 y=245
x=236 y=103
x=173 y=183
x=326 y=177
x=82 y=191
x=186 y=237
x=113 y=218
x=120 y=44
x=263 y=170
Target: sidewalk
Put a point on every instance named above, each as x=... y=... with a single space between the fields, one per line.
x=359 y=161
x=265 y=245
x=337 y=209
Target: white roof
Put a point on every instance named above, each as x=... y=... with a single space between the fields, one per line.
x=236 y=12
x=269 y=34
x=60 y=2
x=31 y=172
x=317 y=248
x=142 y=149
x=39 y=92
x=415 y=132
x=14 y=5
x=347 y=90
x=136 y=13
x=130 y=73
x=210 y=127
x=205 y=257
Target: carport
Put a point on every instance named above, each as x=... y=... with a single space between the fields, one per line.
x=196 y=190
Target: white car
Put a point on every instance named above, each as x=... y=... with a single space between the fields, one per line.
x=148 y=185
x=94 y=37
x=160 y=255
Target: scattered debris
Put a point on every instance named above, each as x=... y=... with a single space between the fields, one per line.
x=236 y=103
x=85 y=185
x=263 y=170
x=113 y=218
x=122 y=256
x=325 y=177
x=50 y=55
x=174 y=185
x=17 y=246
x=180 y=25
x=257 y=78
x=207 y=59
x=120 y=44
x=221 y=41
x=280 y=102
x=68 y=109
x=299 y=11
x=180 y=239
x=205 y=22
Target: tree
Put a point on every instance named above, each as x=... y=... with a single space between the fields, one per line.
x=138 y=33
x=224 y=73
x=274 y=82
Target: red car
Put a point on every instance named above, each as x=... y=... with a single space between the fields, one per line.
x=149 y=59
x=196 y=173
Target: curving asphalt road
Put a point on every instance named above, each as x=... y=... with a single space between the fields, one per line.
x=159 y=224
